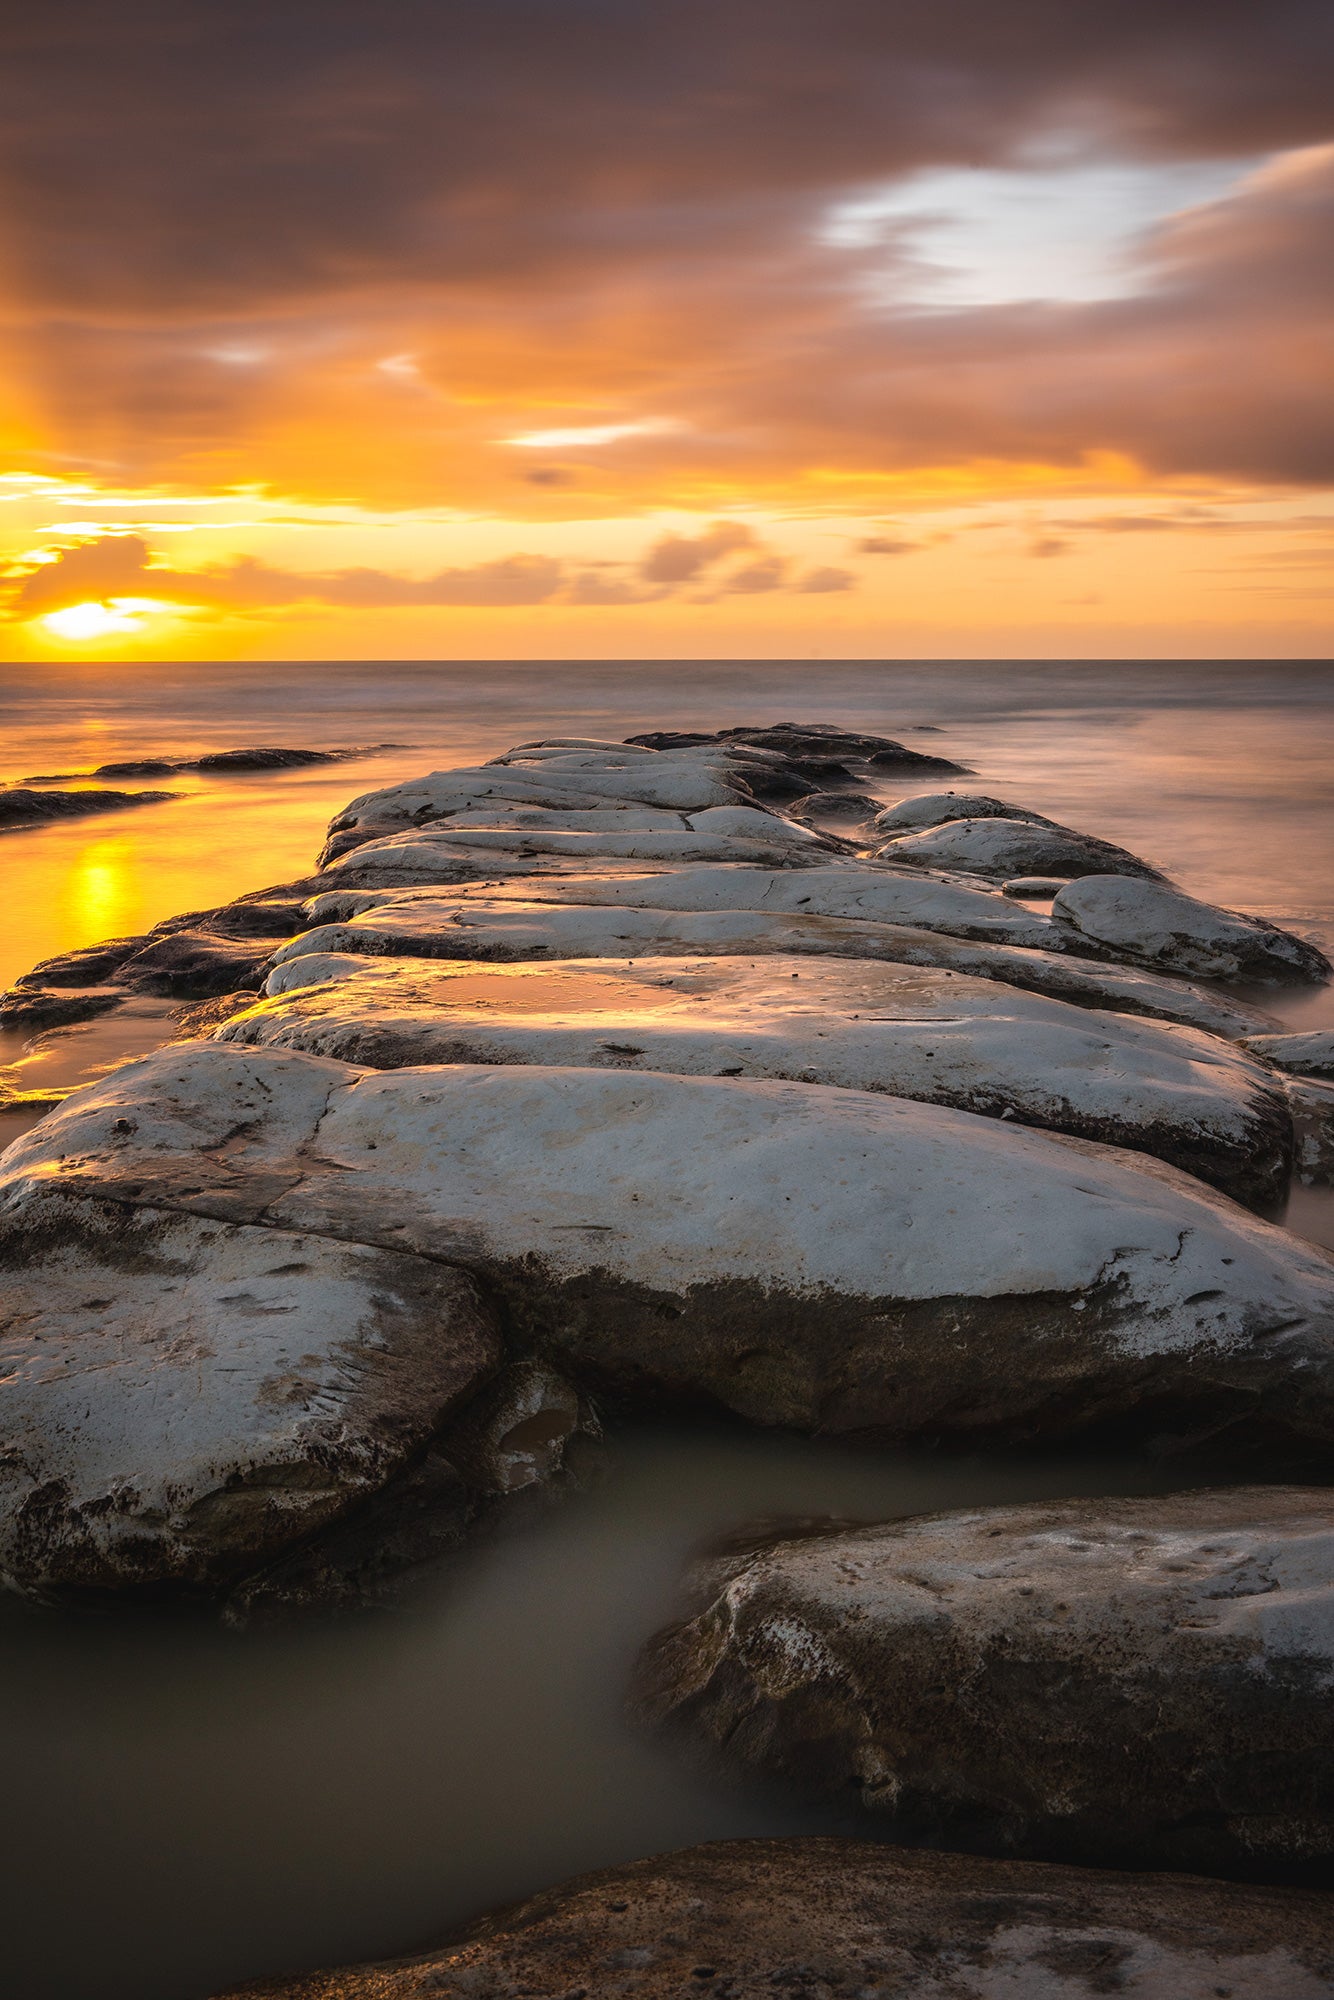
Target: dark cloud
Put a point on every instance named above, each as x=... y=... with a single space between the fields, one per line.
x=220 y=221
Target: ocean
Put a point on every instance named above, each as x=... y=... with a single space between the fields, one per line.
x=189 y=1806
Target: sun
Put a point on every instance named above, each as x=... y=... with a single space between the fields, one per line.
x=99 y=621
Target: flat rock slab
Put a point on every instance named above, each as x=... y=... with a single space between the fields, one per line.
x=493 y=927
x=826 y=1259
x=1000 y=848
x=1115 y=1681
x=185 y=1399
x=848 y=1920
x=682 y=843
x=911 y=1032
x=1152 y=924
x=1306 y=1054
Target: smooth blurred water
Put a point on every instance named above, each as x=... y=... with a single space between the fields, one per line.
x=186 y=1807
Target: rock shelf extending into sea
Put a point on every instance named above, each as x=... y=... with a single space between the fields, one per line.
x=695 y=1075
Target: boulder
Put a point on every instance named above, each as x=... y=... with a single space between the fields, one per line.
x=1155 y=925
x=1121 y=1682
x=1305 y=1054
x=431 y=925
x=930 y=809
x=1000 y=848
x=934 y=1036
x=852 y=1920
x=856 y=808
x=806 y=1256
x=185 y=1399
x=1036 y=886
x=21 y=807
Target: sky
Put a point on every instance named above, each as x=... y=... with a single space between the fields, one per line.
x=598 y=329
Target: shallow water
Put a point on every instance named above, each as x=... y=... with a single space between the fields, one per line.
x=188 y=1807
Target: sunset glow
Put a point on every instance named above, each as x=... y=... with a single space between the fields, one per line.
x=1013 y=345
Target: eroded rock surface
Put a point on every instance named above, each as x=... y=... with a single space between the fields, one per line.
x=1307 y=1054
x=1116 y=1681
x=848 y=1920
x=929 y=809
x=908 y=1031
x=826 y=1259
x=1152 y=924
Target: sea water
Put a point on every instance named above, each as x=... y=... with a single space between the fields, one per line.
x=184 y=1806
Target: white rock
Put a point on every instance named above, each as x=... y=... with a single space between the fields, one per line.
x=1000 y=848
x=803 y=1255
x=184 y=1399
x=429 y=924
x=1123 y=1681
x=937 y=808
x=1159 y=926
x=1305 y=1054
x=931 y=1035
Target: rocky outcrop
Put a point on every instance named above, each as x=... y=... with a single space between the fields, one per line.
x=20 y=806
x=1000 y=848
x=1151 y=924
x=1306 y=1054
x=498 y=930
x=934 y=1036
x=799 y=1254
x=266 y=757
x=1114 y=1681
x=848 y=1920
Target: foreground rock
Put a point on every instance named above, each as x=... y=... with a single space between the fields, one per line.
x=185 y=1399
x=490 y=927
x=920 y=1033
x=21 y=807
x=1112 y=1681
x=1000 y=848
x=1152 y=924
x=753 y=1918
x=826 y=1259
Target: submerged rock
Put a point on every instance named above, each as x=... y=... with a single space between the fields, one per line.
x=21 y=807
x=1313 y=1122
x=1159 y=926
x=499 y=930
x=1117 y=1681
x=807 y=1256
x=843 y=1919
x=926 y=1034
x=1000 y=848
x=1306 y=1054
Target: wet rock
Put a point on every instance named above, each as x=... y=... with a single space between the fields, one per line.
x=930 y=1035
x=805 y=1256
x=89 y=966
x=1034 y=886
x=193 y=965
x=1125 y=1682
x=184 y=1398
x=43 y=1007
x=21 y=807
x=1000 y=848
x=1313 y=1122
x=723 y=834
x=815 y=739
x=271 y=758
x=1306 y=1054
x=849 y=1920
x=930 y=809
x=1152 y=924
x=194 y=1023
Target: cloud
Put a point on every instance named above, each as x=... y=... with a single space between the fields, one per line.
x=221 y=221
x=827 y=577
x=765 y=573
x=681 y=558
x=884 y=545
x=1048 y=545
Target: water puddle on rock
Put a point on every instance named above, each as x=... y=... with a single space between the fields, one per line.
x=190 y=1806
